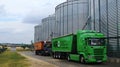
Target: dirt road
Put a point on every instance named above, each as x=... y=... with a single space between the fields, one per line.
x=47 y=61
x=37 y=63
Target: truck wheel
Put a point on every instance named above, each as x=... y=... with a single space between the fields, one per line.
x=54 y=55
x=59 y=56
x=82 y=59
x=68 y=58
x=36 y=52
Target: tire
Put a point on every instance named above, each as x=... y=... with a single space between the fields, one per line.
x=59 y=56
x=36 y=52
x=68 y=58
x=82 y=60
x=54 y=55
x=42 y=53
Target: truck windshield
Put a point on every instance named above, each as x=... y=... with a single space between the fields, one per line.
x=96 y=42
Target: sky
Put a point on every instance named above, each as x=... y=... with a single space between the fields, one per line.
x=18 y=18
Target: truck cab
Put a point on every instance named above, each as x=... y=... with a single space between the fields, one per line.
x=91 y=46
x=43 y=48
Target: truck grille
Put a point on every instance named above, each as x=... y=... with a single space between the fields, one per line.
x=98 y=51
x=98 y=54
x=98 y=57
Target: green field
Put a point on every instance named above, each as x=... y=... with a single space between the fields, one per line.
x=12 y=59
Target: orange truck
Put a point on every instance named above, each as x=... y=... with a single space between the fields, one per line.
x=42 y=48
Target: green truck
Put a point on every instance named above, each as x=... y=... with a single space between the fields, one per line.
x=85 y=46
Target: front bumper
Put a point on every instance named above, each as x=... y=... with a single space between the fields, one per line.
x=97 y=59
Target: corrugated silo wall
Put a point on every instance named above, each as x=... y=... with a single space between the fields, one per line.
x=44 y=31
x=48 y=26
x=72 y=0
x=37 y=33
x=106 y=19
x=71 y=16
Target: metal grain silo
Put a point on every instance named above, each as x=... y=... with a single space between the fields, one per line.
x=71 y=16
x=44 y=28
x=105 y=16
x=37 y=33
x=48 y=24
x=72 y=0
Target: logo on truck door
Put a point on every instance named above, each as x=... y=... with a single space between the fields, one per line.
x=58 y=44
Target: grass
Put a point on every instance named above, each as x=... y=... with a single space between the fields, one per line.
x=12 y=59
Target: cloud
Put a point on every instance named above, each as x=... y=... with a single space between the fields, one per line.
x=18 y=18
x=33 y=18
x=24 y=37
x=30 y=11
x=5 y=16
x=15 y=27
x=46 y=8
x=16 y=32
x=2 y=10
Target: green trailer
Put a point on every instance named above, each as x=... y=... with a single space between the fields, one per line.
x=85 y=46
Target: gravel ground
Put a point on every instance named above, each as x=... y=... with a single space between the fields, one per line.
x=47 y=61
x=37 y=63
